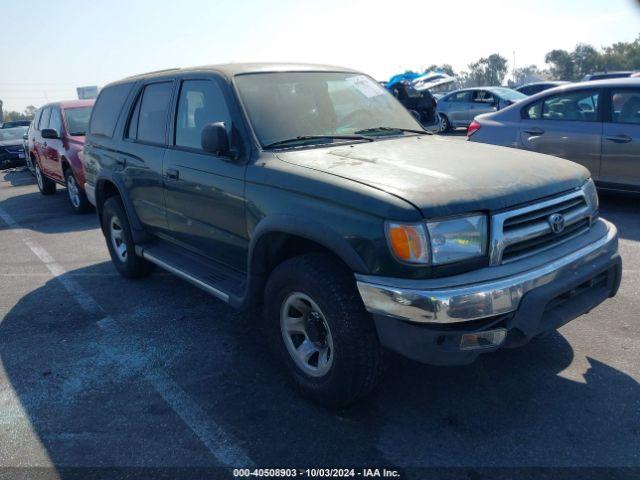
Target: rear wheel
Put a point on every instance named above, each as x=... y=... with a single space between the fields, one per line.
x=325 y=336
x=117 y=231
x=445 y=124
x=76 y=195
x=45 y=185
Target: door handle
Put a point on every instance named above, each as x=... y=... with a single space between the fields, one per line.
x=619 y=138
x=534 y=131
x=172 y=174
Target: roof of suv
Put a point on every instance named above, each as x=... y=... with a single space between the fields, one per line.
x=231 y=69
x=71 y=103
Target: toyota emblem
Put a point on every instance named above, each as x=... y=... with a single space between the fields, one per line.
x=556 y=222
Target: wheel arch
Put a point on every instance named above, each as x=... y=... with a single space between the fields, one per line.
x=109 y=187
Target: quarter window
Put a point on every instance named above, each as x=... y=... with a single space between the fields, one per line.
x=107 y=109
x=152 y=121
x=625 y=106
x=201 y=102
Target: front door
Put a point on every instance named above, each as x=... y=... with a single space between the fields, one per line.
x=621 y=140
x=204 y=193
x=566 y=125
x=53 y=146
x=458 y=108
x=483 y=102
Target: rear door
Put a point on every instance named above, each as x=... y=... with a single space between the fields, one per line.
x=204 y=193
x=53 y=146
x=458 y=107
x=482 y=101
x=621 y=139
x=146 y=132
x=567 y=125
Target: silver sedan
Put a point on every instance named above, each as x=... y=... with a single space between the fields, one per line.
x=596 y=124
x=458 y=108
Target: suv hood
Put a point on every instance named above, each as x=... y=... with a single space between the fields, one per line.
x=441 y=176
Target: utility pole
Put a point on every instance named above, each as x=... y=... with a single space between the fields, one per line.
x=514 y=67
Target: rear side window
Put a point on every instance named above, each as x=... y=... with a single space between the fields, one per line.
x=107 y=109
x=44 y=119
x=154 y=109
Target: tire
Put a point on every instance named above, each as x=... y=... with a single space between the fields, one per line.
x=117 y=232
x=352 y=358
x=45 y=184
x=445 y=124
x=77 y=197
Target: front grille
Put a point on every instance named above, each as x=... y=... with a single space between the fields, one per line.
x=526 y=231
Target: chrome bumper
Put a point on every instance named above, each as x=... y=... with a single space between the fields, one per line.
x=477 y=300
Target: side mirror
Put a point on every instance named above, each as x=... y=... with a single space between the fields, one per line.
x=25 y=137
x=49 y=133
x=214 y=139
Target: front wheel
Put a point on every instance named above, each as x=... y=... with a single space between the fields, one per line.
x=77 y=197
x=444 y=123
x=325 y=336
x=117 y=231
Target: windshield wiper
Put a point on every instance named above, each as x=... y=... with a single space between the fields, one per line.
x=318 y=137
x=391 y=129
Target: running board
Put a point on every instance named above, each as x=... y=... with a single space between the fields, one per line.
x=213 y=278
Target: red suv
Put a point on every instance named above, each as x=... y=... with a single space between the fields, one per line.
x=55 y=148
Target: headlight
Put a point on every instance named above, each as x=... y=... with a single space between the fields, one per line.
x=458 y=238
x=591 y=193
x=441 y=242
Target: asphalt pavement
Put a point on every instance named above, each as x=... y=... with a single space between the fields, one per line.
x=100 y=371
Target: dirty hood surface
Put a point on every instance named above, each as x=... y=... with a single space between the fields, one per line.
x=445 y=177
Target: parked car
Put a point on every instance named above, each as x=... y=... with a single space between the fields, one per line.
x=15 y=123
x=55 y=145
x=458 y=108
x=11 y=149
x=420 y=102
x=311 y=191
x=25 y=147
x=607 y=75
x=537 y=87
x=596 y=124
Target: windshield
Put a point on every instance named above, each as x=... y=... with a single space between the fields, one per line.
x=77 y=120
x=509 y=94
x=284 y=106
x=15 y=133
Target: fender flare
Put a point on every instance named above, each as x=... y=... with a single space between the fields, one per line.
x=134 y=221
x=308 y=229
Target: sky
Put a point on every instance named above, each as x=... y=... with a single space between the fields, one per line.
x=49 y=48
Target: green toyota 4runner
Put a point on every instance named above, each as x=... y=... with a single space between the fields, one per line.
x=310 y=191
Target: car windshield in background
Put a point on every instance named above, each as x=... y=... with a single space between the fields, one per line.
x=15 y=133
x=509 y=94
x=285 y=106
x=77 y=120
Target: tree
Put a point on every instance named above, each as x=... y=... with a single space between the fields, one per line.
x=530 y=73
x=446 y=68
x=30 y=111
x=488 y=71
x=622 y=56
x=560 y=64
x=586 y=59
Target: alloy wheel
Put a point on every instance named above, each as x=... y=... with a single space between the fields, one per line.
x=117 y=239
x=73 y=190
x=39 y=176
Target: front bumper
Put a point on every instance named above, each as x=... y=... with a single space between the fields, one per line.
x=427 y=324
x=12 y=158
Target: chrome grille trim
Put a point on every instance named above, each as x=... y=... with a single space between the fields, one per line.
x=528 y=223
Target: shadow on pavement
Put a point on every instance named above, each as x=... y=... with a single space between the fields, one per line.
x=87 y=398
x=615 y=207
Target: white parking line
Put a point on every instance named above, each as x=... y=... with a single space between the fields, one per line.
x=221 y=445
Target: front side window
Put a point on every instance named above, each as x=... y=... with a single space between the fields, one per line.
x=625 y=106
x=571 y=106
x=44 y=118
x=154 y=108
x=55 y=122
x=201 y=102
x=482 y=96
x=288 y=105
x=77 y=120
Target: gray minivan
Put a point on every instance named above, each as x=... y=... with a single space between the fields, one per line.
x=596 y=124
